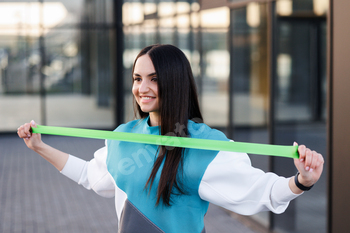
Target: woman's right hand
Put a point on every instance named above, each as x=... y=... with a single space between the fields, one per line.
x=32 y=140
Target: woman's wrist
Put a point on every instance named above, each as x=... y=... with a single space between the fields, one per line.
x=301 y=183
x=38 y=147
x=293 y=186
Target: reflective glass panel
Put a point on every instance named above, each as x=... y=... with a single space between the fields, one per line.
x=251 y=82
x=302 y=7
x=19 y=81
x=78 y=82
x=54 y=67
x=300 y=113
x=215 y=66
x=133 y=43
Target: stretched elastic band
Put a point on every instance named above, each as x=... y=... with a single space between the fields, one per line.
x=205 y=144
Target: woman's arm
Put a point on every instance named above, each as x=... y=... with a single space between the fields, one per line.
x=33 y=141
x=231 y=182
x=91 y=174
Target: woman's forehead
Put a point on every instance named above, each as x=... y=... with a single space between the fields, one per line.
x=144 y=65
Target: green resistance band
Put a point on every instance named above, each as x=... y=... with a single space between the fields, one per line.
x=204 y=144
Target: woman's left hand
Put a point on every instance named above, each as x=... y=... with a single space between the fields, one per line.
x=309 y=165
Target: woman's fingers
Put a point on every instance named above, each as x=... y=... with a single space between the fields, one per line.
x=315 y=161
x=308 y=160
x=302 y=150
x=27 y=127
x=33 y=124
x=24 y=131
x=320 y=160
x=31 y=140
x=21 y=132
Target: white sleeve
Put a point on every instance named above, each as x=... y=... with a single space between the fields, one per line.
x=91 y=174
x=231 y=182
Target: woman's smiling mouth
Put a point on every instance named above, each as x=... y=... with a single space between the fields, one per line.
x=146 y=99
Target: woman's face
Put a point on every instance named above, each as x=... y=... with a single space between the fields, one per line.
x=145 y=87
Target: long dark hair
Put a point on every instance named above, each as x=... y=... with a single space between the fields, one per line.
x=178 y=102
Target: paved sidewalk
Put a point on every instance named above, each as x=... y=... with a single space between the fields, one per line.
x=36 y=198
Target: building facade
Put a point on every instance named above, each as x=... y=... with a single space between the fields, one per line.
x=263 y=70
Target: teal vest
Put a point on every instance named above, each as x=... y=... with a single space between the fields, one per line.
x=130 y=164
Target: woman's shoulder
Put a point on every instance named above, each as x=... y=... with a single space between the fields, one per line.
x=203 y=131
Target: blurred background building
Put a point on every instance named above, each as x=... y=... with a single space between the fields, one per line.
x=261 y=69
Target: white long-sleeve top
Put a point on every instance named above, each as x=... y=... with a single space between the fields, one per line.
x=229 y=181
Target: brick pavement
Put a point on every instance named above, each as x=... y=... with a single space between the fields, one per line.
x=36 y=198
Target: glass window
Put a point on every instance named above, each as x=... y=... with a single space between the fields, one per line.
x=293 y=72
x=300 y=93
x=250 y=80
x=167 y=30
x=302 y=7
x=133 y=43
x=19 y=81
x=300 y=112
x=150 y=32
x=215 y=66
x=78 y=89
x=76 y=10
x=55 y=69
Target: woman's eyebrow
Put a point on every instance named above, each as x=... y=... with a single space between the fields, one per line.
x=152 y=74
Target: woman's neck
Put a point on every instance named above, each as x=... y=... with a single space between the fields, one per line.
x=154 y=119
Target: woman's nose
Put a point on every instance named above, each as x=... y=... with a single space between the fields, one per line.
x=144 y=86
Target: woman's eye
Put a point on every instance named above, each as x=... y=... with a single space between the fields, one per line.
x=136 y=79
x=154 y=79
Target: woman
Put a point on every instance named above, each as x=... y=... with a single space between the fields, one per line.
x=163 y=189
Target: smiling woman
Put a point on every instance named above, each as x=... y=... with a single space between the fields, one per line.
x=158 y=187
